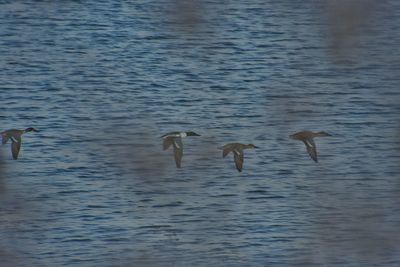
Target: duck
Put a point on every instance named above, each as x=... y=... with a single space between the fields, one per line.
x=308 y=139
x=237 y=150
x=15 y=136
x=175 y=139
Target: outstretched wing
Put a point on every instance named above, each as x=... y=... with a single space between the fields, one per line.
x=167 y=142
x=311 y=149
x=238 y=160
x=15 y=146
x=178 y=150
x=226 y=149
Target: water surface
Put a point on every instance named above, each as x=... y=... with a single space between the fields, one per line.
x=103 y=80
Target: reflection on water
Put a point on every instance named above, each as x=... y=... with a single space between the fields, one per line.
x=104 y=80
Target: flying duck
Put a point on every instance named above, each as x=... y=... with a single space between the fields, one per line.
x=175 y=139
x=308 y=139
x=15 y=136
x=237 y=150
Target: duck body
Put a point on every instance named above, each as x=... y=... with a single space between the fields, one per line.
x=175 y=139
x=307 y=137
x=15 y=136
x=237 y=150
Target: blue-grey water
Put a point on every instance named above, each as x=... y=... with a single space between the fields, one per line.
x=103 y=80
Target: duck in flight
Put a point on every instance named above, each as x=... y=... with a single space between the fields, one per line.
x=15 y=136
x=237 y=150
x=175 y=139
x=308 y=139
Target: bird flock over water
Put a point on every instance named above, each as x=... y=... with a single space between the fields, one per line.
x=174 y=139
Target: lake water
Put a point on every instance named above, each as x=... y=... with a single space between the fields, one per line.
x=103 y=80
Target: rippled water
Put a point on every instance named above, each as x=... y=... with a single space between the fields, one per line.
x=103 y=80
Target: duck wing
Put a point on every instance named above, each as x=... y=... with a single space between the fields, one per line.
x=238 y=157
x=311 y=148
x=178 y=150
x=226 y=150
x=167 y=142
x=15 y=146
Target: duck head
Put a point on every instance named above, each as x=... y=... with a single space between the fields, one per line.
x=251 y=146
x=192 y=134
x=323 y=134
x=31 y=129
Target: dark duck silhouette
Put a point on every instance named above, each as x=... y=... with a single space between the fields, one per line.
x=307 y=137
x=175 y=139
x=237 y=150
x=16 y=139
